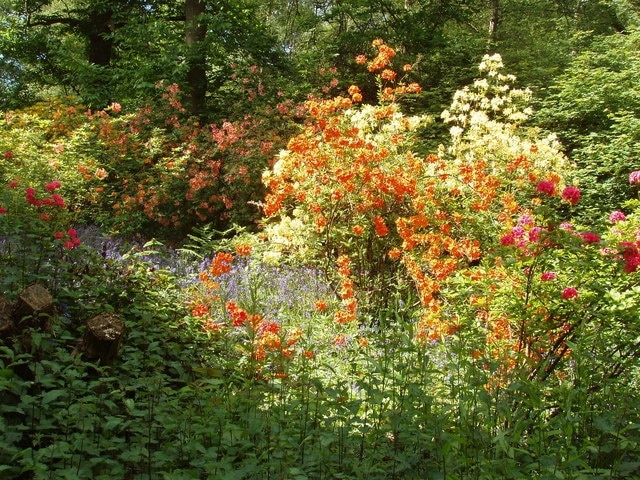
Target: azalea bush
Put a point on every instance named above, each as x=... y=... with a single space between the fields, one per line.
x=36 y=235
x=334 y=195
x=148 y=169
x=480 y=232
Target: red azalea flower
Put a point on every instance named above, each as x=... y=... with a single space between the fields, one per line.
x=571 y=194
x=590 y=237
x=546 y=186
x=57 y=200
x=569 y=293
x=53 y=185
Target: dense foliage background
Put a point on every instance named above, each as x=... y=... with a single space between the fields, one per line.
x=347 y=239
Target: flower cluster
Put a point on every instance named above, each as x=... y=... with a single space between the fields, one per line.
x=69 y=238
x=263 y=338
x=346 y=292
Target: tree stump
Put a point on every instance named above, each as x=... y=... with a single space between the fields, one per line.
x=34 y=308
x=102 y=338
x=7 y=325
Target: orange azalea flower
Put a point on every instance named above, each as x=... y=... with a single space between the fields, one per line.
x=321 y=306
x=221 y=264
x=340 y=340
x=358 y=229
x=200 y=310
x=381 y=228
x=237 y=314
x=361 y=59
x=388 y=74
x=243 y=249
x=212 y=327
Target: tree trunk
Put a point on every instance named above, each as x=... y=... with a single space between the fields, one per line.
x=98 y=31
x=494 y=22
x=195 y=35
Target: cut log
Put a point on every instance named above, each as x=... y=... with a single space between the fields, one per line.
x=34 y=308
x=102 y=338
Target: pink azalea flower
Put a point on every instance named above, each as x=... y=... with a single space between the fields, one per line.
x=634 y=177
x=566 y=226
x=617 y=217
x=547 y=276
x=569 y=293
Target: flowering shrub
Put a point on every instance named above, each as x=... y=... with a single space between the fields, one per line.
x=35 y=235
x=478 y=228
x=350 y=185
x=336 y=192
x=155 y=167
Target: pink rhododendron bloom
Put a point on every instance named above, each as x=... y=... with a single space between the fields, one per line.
x=546 y=186
x=617 y=216
x=634 y=177
x=8 y=155
x=566 y=226
x=525 y=219
x=58 y=235
x=3 y=210
x=571 y=194
x=569 y=293
x=517 y=231
x=547 y=276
